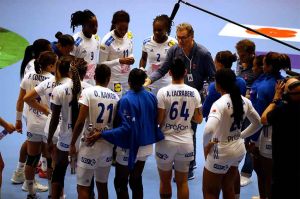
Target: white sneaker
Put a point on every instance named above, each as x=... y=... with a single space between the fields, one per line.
x=255 y=197
x=245 y=181
x=37 y=186
x=18 y=177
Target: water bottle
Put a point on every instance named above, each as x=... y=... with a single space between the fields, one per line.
x=72 y=162
x=89 y=131
x=3 y=133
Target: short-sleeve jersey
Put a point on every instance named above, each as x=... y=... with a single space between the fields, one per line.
x=46 y=87
x=112 y=48
x=180 y=102
x=157 y=53
x=102 y=103
x=62 y=96
x=87 y=48
x=228 y=131
x=36 y=120
x=29 y=67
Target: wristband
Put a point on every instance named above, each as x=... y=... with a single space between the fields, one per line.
x=276 y=101
x=19 y=115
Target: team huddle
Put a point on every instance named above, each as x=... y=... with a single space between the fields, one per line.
x=84 y=105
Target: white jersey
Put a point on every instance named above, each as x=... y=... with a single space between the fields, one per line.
x=36 y=120
x=180 y=102
x=29 y=67
x=62 y=96
x=112 y=48
x=102 y=103
x=227 y=132
x=157 y=53
x=87 y=48
x=46 y=87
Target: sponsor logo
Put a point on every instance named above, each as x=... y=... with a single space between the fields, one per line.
x=220 y=167
x=187 y=155
x=175 y=127
x=162 y=156
x=88 y=161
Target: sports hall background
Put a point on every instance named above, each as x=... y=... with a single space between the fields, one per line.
x=33 y=19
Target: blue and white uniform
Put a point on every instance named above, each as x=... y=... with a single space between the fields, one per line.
x=112 y=48
x=156 y=55
x=96 y=159
x=179 y=102
x=220 y=127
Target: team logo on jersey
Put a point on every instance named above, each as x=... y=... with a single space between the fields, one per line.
x=117 y=87
x=129 y=35
x=171 y=43
x=102 y=47
x=146 y=40
x=97 y=37
x=78 y=41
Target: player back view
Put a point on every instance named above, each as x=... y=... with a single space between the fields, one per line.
x=98 y=108
x=178 y=105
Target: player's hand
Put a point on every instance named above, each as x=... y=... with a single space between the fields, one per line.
x=72 y=151
x=18 y=126
x=279 y=89
x=147 y=82
x=207 y=148
x=127 y=60
x=9 y=127
x=91 y=139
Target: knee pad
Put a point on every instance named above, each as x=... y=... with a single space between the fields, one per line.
x=136 y=183
x=49 y=163
x=33 y=160
x=59 y=173
x=120 y=184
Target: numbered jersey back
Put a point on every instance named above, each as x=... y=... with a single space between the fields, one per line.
x=180 y=102
x=102 y=103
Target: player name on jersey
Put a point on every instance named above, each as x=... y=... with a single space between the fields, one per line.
x=104 y=95
x=179 y=93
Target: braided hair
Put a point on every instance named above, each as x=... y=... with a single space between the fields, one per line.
x=80 y=18
x=119 y=16
x=166 y=20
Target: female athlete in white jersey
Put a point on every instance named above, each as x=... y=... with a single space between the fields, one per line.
x=36 y=120
x=223 y=140
x=178 y=104
x=117 y=52
x=98 y=108
x=87 y=41
x=64 y=103
x=155 y=50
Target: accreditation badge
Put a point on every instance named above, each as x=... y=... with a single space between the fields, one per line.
x=190 y=77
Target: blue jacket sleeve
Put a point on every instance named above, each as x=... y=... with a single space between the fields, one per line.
x=212 y=96
x=120 y=136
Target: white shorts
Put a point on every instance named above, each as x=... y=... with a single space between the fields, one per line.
x=143 y=153
x=33 y=137
x=265 y=142
x=84 y=176
x=63 y=142
x=98 y=155
x=46 y=129
x=221 y=158
x=168 y=152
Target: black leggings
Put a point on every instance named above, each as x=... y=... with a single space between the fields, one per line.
x=134 y=177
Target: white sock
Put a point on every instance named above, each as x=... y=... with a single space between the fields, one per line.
x=30 y=187
x=0 y=192
x=20 y=166
x=237 y=196
x=44 y=164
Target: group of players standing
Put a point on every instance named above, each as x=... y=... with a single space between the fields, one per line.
x=115 y=109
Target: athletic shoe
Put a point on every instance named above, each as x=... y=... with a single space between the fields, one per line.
x=37 y=186
x=18 y=177
x=191 y=175
x=255 y=197
x=43 y=174
x=245 y=181
x=34 y=196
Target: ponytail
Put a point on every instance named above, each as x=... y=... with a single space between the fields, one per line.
x=226 y=79
x=28 y=55
x=75 y=92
